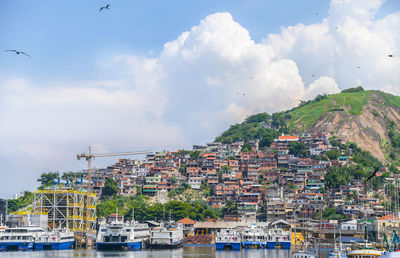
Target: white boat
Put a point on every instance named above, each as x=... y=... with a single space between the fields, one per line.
x=20 y=238
x=393 y=248
x=168 y=235
x=390 y=254
x=228 y=238
x=364 y=253
x=304 y=254
x=253 y=237
x=119 y=235
x=278 y=238
x=55 y=240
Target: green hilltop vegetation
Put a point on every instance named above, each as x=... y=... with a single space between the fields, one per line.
x=348 y=104
x=301 y=118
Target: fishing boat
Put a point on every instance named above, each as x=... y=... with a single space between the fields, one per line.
x=253 y=237
x=20 y=238
x=168 y=235
x=278 y=238
x=228 y=239
x=392 y=249
x=119 y=235
x=338 y=251
x=304 y=252
x=364 y=253
x=55 y=240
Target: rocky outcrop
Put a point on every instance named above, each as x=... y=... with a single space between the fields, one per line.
x=368 y=130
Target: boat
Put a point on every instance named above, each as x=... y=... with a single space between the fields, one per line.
x=55 y=240
x=337 y=252
x=253 y=237
x=304 y=252
x=364 y=253
x=278 y=238
x=20 y=238
x=118 y=235
x=392 y=249
x=168 y=235
x=228 y=239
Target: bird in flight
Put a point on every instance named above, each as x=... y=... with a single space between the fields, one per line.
x=358 y=67
x=105 y=7
x=390 y=55
x=312 y=75
x=17 y=52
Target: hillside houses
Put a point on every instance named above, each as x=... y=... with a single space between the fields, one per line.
x=268 y=183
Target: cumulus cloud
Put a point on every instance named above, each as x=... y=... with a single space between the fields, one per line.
x=208 y=78
x=350 y=45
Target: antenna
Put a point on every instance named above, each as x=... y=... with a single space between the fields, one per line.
x=116 y=216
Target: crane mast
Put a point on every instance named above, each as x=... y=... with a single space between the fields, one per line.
x=89 y=158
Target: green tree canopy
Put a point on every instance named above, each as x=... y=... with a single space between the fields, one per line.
x=297 y=149
x=110 y=188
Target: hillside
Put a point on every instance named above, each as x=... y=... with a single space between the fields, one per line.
x=369 y=118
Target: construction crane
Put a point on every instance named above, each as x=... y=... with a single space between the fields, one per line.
x=89 y=158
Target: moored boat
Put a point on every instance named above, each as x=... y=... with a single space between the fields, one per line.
x=253 y=237
x=20 y=238
x=364 y=253
x=55 y=240
x=278 y=238
x=168 y=235
x=118 y=235
x=228 y=239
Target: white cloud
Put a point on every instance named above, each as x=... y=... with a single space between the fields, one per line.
x=208 y=78
x=350 y=37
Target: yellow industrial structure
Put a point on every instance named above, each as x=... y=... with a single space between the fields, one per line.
x=68 y=208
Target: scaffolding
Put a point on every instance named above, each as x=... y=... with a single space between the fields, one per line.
x=68 y=208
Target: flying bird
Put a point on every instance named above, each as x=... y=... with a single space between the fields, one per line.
x=390 y=55
x=316 y=13
x=358 y=67
x=105 y=7
x=312 y=75
x=373 y=175
x=17 y=52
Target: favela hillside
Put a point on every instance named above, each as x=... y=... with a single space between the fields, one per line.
x=329 y=163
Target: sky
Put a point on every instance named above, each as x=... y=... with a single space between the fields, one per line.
x=164 y=75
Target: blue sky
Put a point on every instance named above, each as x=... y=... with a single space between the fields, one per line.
x=65 y=38
x=167 y=74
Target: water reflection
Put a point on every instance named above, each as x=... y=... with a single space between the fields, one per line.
x=192 y=252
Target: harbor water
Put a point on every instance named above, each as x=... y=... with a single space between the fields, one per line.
x=187 y=251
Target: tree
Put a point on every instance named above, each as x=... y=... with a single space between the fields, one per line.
x=110 y=188
x=21 y=202
x=332 y=154
x=292 y=186
x=47 y=178
x=194 y=155
x=297 y=149
x=247 y=148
